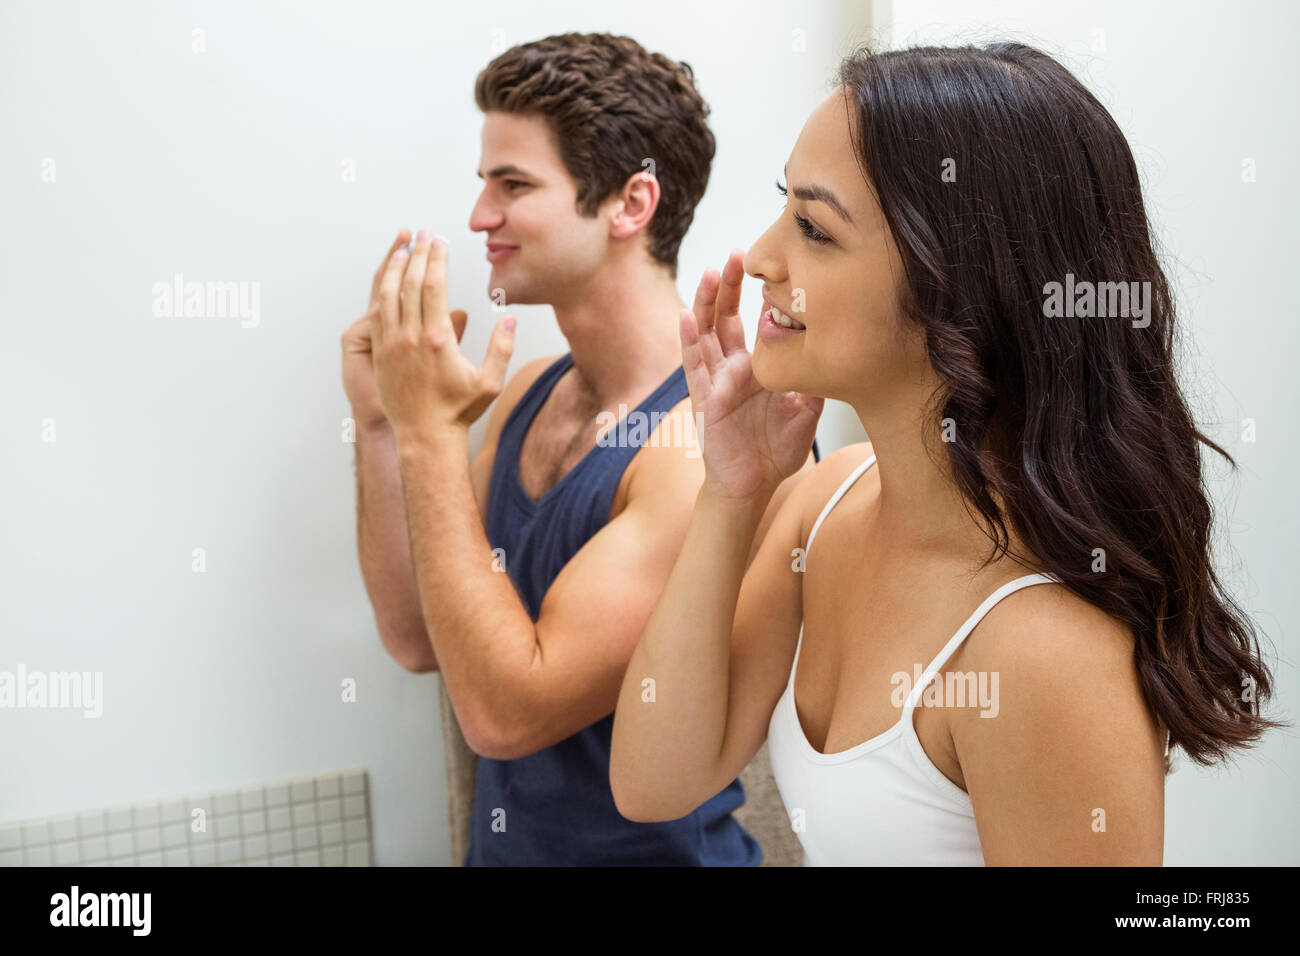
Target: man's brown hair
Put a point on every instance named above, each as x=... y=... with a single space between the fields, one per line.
x=612 y=105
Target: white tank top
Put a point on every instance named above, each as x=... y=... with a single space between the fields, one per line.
x=883 y=802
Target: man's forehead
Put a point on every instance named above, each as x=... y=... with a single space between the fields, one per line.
x=516 y=145
x=513 y=131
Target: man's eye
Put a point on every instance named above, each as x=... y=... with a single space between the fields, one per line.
x=513 y=184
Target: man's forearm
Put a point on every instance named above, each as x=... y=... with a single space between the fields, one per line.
x=384 y=549
x=484 y=639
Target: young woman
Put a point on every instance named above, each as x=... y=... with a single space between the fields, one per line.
x=975 y=639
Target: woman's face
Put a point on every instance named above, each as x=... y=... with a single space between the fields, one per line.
x=830 y=263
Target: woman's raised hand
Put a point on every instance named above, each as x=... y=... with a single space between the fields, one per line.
x=752 y=439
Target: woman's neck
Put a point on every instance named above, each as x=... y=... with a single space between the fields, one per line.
x=921 y=506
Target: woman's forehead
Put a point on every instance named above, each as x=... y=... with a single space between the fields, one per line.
x=824 y=156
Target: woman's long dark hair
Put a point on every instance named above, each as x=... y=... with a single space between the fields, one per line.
x=1000 y=174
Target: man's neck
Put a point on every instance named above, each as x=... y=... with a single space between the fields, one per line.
x=623 y=332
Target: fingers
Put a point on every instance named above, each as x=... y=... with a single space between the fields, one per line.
x=492 y=374
x=375 y=319
x=389 y=297
x=730 y=329
x=728 y=296
x=402 y=239
x=413 y=283
x=459 y=319
x=706 y=296
x=433 y=293
x=357 y=336
x=698 y=379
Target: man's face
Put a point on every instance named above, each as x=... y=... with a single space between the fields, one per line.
x=541 y=249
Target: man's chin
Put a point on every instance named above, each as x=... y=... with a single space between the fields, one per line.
x=514 y=293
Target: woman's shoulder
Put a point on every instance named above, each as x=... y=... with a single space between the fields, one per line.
x=1052 y=645
x=1050 y=622
x=817 y=488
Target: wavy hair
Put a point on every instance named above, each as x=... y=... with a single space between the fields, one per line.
x=1005 y=183
x=615 y=109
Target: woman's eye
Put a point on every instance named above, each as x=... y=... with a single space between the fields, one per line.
x=809 y=230
x=804 y=224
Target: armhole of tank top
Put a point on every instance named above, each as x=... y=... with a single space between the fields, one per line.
x=651 y=405
x=963 y=632
x=939 y=782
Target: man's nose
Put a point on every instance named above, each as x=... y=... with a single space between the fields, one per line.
x=484 y=217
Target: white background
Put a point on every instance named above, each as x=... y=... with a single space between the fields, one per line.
x=175 y=434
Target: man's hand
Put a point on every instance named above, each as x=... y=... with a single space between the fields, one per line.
x=424 y=383
x=358 y=363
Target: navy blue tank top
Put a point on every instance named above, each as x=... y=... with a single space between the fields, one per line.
x=557 y=803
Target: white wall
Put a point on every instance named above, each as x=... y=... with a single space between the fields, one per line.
x=1198 y=87
x=175 y=434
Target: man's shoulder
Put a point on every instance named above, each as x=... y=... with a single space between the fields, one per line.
x=670 y=459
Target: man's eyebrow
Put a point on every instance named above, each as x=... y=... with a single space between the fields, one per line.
x=508 y=170
x=815 y=193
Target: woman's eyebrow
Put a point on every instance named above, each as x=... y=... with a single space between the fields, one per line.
x=815 y=193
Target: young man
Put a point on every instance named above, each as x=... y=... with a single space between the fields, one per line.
x=527 y=576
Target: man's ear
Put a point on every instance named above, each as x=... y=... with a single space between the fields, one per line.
x=635 y=204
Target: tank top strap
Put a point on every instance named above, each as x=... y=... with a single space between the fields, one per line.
x=857 y=473
x=1011 y=587
x=525 y=410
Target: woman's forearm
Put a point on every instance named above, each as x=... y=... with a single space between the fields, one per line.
x=672 y=708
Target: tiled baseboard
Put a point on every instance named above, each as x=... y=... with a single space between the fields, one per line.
x=309 y=821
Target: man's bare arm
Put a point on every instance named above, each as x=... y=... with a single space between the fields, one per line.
x=519 y=685
x=383 y=530
x=384 y=549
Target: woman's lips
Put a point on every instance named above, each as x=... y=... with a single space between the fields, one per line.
x=768 y=329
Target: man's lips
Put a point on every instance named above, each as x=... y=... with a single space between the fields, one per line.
x=496 y=251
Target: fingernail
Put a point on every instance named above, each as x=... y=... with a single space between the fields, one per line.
x=422 y=235
x=439 y=241
x=508 y=323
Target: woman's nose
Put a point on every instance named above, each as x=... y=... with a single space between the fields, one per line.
x=761 y=261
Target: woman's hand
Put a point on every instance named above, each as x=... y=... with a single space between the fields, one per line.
x=752 y=439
